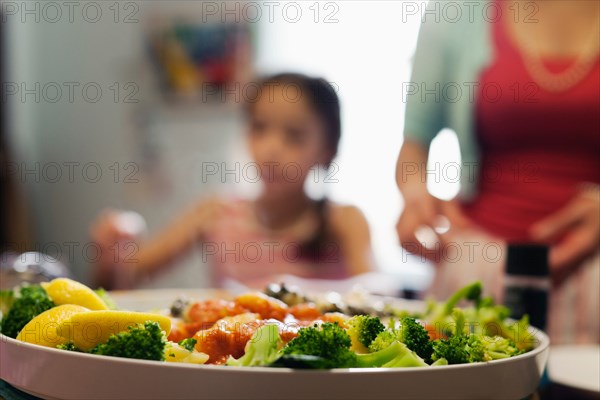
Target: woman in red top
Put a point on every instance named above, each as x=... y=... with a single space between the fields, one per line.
x=536 y=119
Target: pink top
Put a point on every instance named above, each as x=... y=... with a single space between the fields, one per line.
x=241 y=249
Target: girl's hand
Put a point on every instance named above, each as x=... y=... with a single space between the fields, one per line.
x=116 y=235
x=425 y=210
x=573 y=233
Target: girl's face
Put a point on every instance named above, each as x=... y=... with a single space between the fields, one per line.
x=286 y=138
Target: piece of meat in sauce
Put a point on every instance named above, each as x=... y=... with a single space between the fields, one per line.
x=260 y=303
x=228 y=336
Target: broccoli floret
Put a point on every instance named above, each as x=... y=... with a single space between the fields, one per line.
x=415 y=337
x=383 y=340
x=103 y=294
x=490 y=319
x=188 y=344
x=6 y=299
x=328 y=344
x=31 y=301
x=396 y=355
x=299 y=361
x=411 y=333
x=438 y=315
x=363 y=329
x=498 y=347
x=459 y=349
x=146 y=342
x=518 y=332
x=470 y=292
x=463 y=348
x=487 y=320
x=68 y=346
x=261 y=349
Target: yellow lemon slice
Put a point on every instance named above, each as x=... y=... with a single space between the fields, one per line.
x=45 y=330
x=68 y=291
x=95 y=327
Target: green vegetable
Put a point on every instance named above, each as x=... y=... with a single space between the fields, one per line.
x=363 y=329
x=396 y=355
x=298 y=361
x=329 y=343
x=188 y=344
x=498 y=347
x=470 y=292
x=518 y=332
x=68 y=346
x=110 y=303
x=440 y=362
x=31 y=301
x=261 y=349
x=6 y=299
x=411 y=333
x=459 y=349
x=488 y=319
x=462 y=348
x=438 y=315
x=146 y=342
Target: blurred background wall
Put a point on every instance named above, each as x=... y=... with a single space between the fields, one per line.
x=135 y=148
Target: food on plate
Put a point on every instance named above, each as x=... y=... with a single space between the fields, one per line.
x=90 y=329
x=408 y=331
x=256 y=329
x=67 y=291
x=44 y=328
x=36 y=314
x=262 y=348
x=485 y=318
x=185 y=352
x=363 y=329
x=145 y=341
x=462 y=348
x=27 y=303
x=321 y=346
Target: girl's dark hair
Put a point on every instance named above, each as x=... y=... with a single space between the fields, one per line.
x=316 y=92
x=322 y=97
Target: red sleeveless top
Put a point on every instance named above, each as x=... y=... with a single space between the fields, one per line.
x=537 y=147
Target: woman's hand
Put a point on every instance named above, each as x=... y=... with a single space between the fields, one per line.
x=573 y=233
x=425 y=210
x=421 y=209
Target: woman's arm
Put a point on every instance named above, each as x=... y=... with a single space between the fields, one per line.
x=421 y=209
x=349 y=226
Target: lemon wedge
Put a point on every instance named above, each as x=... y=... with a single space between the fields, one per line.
x=87 y=330
x=44 y=329
x=67 y=291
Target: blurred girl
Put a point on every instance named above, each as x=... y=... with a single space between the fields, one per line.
x=293 y=126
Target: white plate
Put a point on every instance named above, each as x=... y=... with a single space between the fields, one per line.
x=575 y=366
x=56 y=374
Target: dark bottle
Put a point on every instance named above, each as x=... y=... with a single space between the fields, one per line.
x=527 y=282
